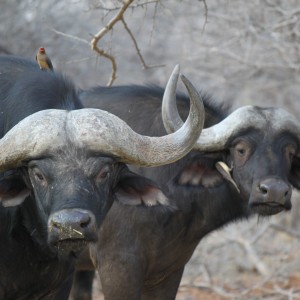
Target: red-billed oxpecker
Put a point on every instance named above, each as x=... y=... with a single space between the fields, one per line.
x=43 y=60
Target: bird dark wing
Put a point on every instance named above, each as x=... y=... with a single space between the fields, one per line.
x=49 y=63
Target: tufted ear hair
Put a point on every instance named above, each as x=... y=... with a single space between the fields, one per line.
x=295 y=173
x=201 y=172
x=133 y=189
x=13 y=190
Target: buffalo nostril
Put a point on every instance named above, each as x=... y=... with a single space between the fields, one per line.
x=85 y=221
x=263 y=189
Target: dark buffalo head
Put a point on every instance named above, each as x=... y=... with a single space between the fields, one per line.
x=260 y=158
x=70 y=165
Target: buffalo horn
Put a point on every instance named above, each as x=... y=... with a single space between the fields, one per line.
x=133 y=148
x=99 y=131
x=216 y=137
x=35 y=135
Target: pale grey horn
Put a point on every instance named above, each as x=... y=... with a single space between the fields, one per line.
x=134 y=148
x=33 y=136
x=98 y=131
x=216 y=137
x=170 y=115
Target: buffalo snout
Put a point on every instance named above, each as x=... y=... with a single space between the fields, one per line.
x=270 y=196
x=72 y=229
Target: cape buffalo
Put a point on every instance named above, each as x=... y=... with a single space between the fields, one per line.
x=62 y=166
x=244 y=165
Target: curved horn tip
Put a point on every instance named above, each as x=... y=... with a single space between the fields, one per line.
x=176 y=68
x=175 y=71
x=190 y=87
x=185 y=79
x=172 y=81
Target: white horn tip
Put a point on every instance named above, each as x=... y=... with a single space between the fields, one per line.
x=176 y=69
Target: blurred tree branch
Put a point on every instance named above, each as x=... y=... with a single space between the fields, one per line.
x=205 y=14
x=119 y=16
x=94 y=42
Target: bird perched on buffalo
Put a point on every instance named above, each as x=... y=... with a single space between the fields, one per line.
x=43 y=60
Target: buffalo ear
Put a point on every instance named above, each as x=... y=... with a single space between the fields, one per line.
x=295 y=173
x=133 y=189
x=13 y=190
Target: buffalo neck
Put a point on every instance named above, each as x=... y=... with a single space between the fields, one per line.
x=209 y=209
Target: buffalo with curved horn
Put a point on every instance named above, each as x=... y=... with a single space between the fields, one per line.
x=62 y=167
x=270 y=192
x=245 y=163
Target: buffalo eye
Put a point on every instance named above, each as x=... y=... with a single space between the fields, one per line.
x=290 y=152
x=38 y=176
x=103 y=174
x=241 y=152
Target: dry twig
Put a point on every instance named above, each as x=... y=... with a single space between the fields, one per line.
x=205 y=15
x=94 y=42
x=138 y=51
x=76 y=38
x=109 y=26
x=141 y=4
